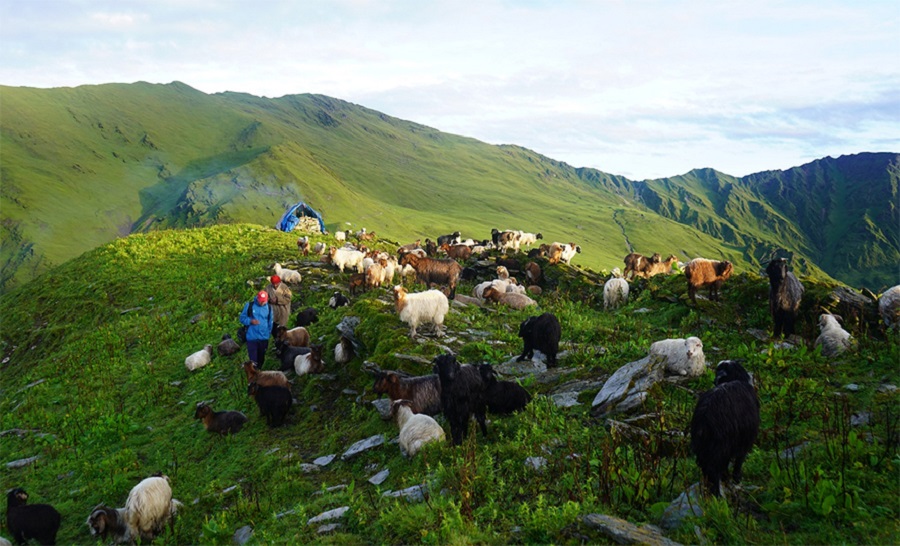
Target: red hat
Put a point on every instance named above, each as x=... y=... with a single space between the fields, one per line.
x=262 y=297
x=275 y=279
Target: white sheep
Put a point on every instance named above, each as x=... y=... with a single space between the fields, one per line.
x=149 y=508
x=833 y=339
x=421 y=307
x=416 y=429
x=615 y=293
x=682 y=356
x=287 y=275
x=889 y=306
x=510 y=299
x=347 y=257
x=199 y=359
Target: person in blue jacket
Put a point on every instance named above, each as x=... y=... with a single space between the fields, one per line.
x=257 y=317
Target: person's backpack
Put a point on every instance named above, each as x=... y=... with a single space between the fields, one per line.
x=242 y=330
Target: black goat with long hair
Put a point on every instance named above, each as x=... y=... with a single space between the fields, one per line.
x=541 y=333
x=725 y=424
x=785 y=292
x=502 y=397
x=462 y=395
x=27 y=521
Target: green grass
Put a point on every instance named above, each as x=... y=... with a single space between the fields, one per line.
x=94 y=380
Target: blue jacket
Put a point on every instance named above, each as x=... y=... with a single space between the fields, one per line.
x=262 y=313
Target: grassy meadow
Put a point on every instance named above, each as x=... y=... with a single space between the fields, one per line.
x=94 y=385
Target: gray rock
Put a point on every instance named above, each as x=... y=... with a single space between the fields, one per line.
x=415 y=493
x=363 y=445
x=536 y=463
x=860 y=419
x=307 y=468
x=887 y=388
x=325 y=460
x=379 y=478
x=687 y=504
x=242 y=535
x=627 y=388
x=624 y=532
x=383 y=405
x=337 y=513
x=329 y=528
x=852 y=387
x=22 y=462
x=565 y=399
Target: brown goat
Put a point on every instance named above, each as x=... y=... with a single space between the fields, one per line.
x=701 y=272
x=532 y=273
x=638 y=264
x=223 y=422
x=457 y=252
x=431 y=270
x=295 y=337
x=356 y=281
x=660 y=267
x=268 y=378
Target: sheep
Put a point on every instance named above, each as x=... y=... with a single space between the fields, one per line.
x=454 y=239
x=303 y=245
x=274 y=402
x=338 y=300
x=701 y=272
x=346 y=257
x=462 y=395
x=199 y=359
x=310 y=362
x=683 y=357
x=423 y=392
x=510 y=299
x=431 y=270
x=502 y=397
x=223 y=422
x=725 y=424
x=266 y=378
x=416 y=429
x=833 y=339
x=540 y=333
x=295 y=337
x=420 y=307
x=615 y=293
x=889 y=306
x=147 y=510
x=287 y=275
x=27 y=521
x=638 y=264
x=785 y=293
x=306 y=317
x=227 y=346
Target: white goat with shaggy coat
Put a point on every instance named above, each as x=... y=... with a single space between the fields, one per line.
x=416 y=429
x=347 y=257
x=421 y=307
x=149 y=508
x=199 y=359
x=833 y=339
x=683 y=357
x=615 y=293
x=291 y=276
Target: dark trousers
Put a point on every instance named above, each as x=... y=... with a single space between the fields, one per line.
x=256 y=350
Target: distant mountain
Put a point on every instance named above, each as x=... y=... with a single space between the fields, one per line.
x=82 y=166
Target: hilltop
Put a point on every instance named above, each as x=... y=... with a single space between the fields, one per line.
x=82 y=166
x=94 y=386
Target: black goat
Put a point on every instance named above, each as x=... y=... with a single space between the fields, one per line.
x=502 y=396
x=223 y=422
x=453 y=238
x=541 y=333
x=274 y=402
x=462 y=395
x=725 y=424
x=338 y=300
x=27 y=521
x=306 y=317
x=785 y=292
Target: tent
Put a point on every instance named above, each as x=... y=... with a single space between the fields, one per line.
x=292 y=217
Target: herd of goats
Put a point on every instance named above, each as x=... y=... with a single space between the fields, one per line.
x=724 y=425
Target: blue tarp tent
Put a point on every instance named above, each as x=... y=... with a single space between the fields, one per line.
x=292 y=217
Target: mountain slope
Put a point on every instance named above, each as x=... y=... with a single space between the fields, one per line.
x=85 y=165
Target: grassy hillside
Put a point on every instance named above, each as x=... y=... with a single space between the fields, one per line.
x=93 y=384
x=84 y=165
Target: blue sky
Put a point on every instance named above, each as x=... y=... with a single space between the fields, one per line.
x=638 y=88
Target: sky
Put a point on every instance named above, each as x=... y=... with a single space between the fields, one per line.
x=639 y=88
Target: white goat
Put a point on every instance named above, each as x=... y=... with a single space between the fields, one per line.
x=615 y=293
x=149 y=508
x=416 y=429
x=287 y=275
x=833 y=339
x=346 y=257
x=199 y=359
x=421 y=307
x=682 y=356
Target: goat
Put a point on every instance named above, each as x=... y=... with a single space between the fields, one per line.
x=320 y=248
x=423 y=392
x=533 y=275
x=227 y=346
x=147 y=510
x=266 y=378
x=199 y=359
x=510 y=299
x=833 y=339
x=638 y=264
x=540 y=333
x=303 y=245
x=344 y=351
x=658 y=267
x=375 y=274
x=223 y=422
x=701 y=272
x=338 y=300
x=346 y=257
x=785 y=293
x=306 y=317
x=274 y=402
x=683 y=357
x=26 y=521
x=502 y=397
x=454 y=238
x=416 y=429
x=357 y=281
x=295 y=337
x=287 y=275
x=615 y=293
x=431 y=270
x=889 y=306
x=725 y=424
x=462 y=395
x=420 y=307
x=457 y=252
x=310 y=362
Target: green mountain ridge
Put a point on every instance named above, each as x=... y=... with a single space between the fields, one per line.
x=82 y=166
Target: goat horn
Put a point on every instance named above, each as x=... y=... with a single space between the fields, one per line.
x=370 y=367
